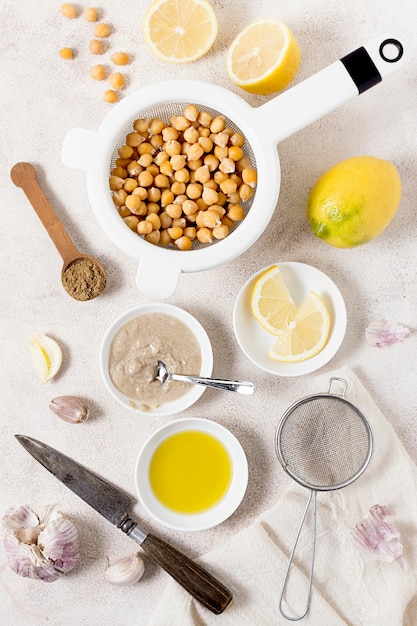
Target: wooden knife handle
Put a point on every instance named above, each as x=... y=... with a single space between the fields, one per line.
x=196 y=580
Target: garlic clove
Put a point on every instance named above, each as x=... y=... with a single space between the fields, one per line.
x=126 y=571
x=384 y=333
x=20 y=517
x=70 y=409
x=378 y=538
x=47 y=357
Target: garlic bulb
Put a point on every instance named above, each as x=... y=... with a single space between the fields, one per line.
x=378 y=538
x=47 y=357
x=383 y=333
x=126 y=571
x=70 y=409
x=40 y=546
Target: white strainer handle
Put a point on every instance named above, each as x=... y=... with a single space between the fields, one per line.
x=81 y=148
x=331 y=87
x=157 y=279
x=295 y=618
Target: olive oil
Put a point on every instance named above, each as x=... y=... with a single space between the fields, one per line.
x=190 y=471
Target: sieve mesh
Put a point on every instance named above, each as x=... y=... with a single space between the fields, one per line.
x=324 y=442
x=164 y=112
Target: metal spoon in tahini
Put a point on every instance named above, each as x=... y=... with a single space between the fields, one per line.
x=245 y=388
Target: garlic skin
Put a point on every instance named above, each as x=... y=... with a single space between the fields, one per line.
x=126 y=571
x=384 y=333
x=70 y=409
x=47 y=357
x=43 y=546
x=380 y=540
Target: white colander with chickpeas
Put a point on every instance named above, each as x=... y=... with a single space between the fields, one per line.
x=184 y=175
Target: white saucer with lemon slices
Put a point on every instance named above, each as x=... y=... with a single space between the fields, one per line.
x=276 y=343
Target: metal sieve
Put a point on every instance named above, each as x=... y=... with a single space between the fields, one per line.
x=323 y=442
x=263 y=128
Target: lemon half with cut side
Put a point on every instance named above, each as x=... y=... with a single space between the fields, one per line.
x=264 y=57
x=271 y=302
x=180 y=31
x=306 y=334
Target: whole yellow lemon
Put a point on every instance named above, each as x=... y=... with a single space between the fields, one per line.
x=354 y=201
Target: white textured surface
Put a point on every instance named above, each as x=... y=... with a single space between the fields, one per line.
x=42 y=98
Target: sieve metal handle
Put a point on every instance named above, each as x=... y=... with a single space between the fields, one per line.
x=342 y=381
x=295 y=618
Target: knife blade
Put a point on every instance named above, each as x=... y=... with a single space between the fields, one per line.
x=113 y=504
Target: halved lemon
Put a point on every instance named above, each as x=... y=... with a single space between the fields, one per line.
x=306 y=334
x=180 y=31
x=264 y=57
x=271 y=302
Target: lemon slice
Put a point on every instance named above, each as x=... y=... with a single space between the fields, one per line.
x=271 y=302
x=306 y=334
x=180 y=31
x=47 y=357
x=264 y=57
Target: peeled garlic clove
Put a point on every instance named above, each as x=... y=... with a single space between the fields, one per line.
x=126 y=571
x=378 y=538
x=70 y=409
x=47 y=356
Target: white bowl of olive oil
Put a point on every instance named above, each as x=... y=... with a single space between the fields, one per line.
x=191 y=474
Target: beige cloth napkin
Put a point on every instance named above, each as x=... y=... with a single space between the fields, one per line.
x=348 y=586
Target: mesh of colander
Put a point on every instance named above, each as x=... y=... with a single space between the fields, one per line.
x=324 y=442
x=164 y=112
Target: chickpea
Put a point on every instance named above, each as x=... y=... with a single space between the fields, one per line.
x=116 y=80
x=116 y=182
x=236 y=212
x=131 y=221
x=134 y=168
x=156 y=126
x=178 y=188
x=227 y=166
x=145 y=160
x=133 y=202
x=161 y=180
x=175 y=232
x=145 y=179
x=141 y=192
x=161 y=157
x=130 y=184
x=220 y=232
x=178 y=161
x=96 y=47
x=172 y=147
x=119 y=197
x=101 y=30
x=167 y=197
x=235 y=153
x=204 y=235
x=218 y=124
x=173 y=210
x=165 y=239
x=179 y=122
x=125 y=152
x=249 y=176
x=119 y=58
x=169 y=133
x=124 y=211
x=66 y=53
x=166 y=220
x=144 y=227
x=191 y=112
x=153 y=237
x=154 y=196
x=183 y=243
x=68 y=10
x=90 y=14
x=182 y=175
x=245 y=192
x=210 y=196
x=166 y=168
x=195 y=152
x=194 y=190
x=155 y=220
x=191 y=135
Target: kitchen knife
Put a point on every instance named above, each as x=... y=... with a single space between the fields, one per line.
x=113 y=504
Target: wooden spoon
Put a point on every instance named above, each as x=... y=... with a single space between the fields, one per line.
x=83 y=277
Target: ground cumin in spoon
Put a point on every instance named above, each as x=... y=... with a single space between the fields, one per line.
x=84 y=279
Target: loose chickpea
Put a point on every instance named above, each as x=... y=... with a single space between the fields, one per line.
x=172 y=147
x=179 y=221
x=212 y=162
x=221 y=152
x=154 y=195
x=194 y=190
x=146 y=148
x=191 y=135
x=178 y=161
x=190 y=232
x=191 y=112
x=219 y=210
x=179 y=122
x=204 y=235
x=119 y=197
x=145 y=160
x=166 y=220
x=125 y=152
x=122 y=162
x=134 y=168
x=165 y=239
x=153 y=169
x=110 y=96
x=68 y=10
x=195 y=152
x=133 y=202
x=153 y=237
x=235 y=212
x=244 y=163
x=249 y=176
x=178 y=188
x=227 y=166
x=237 y=139
x=221 y=139
x=156 y=141
x=169 y=133
x=116 y=182
x=121 y=172
x=245 y=192
x=102 y=30
x=145 y=179
x=117 y=80
x=173 y=210
x=194 y=165
x=228 y=186
x=233 y=198
x=131 y=221
x=220 y=232
x=180 y=198
x=218 y=124
x=144 y=227
x=66 y=53
x=222 y=198
x=161 y=157
x=189 y=207
x=210 y=196
x=228 y=222
x=90 y=14
x=155 y=220
x=130 y=184
x=203 y=132
x=175 y=232
x=167 y=197
x=202 y=174
x=141 y=192
x=161 y=180
x=182 y=175
x=235 y=153
x=152 y=207
x=166 y=169
x=204 y=119
x=156 y=126
x=206 y=143
x=119 y=58
x=184 y=243
x=96 y=47
x=124 y=211
x=220 y=176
